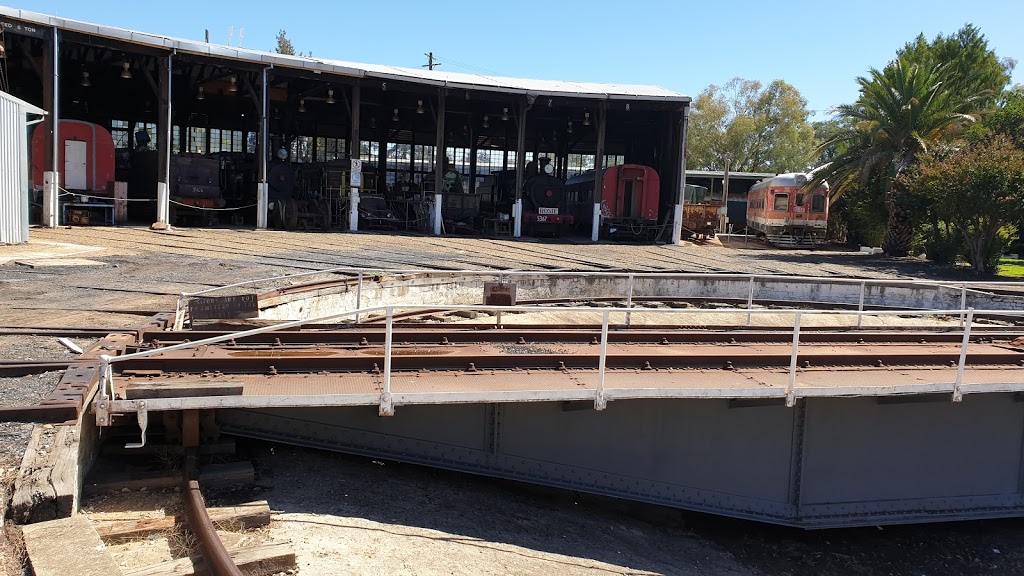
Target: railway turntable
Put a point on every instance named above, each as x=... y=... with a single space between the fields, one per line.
x=777 y=409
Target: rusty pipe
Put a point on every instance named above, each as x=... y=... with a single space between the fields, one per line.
x=214 y=553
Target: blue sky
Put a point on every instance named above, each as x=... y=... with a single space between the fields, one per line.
x=819 y=47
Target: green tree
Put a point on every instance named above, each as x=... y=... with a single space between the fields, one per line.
x=284 y=45
x=762 y=129
x=979 y=189
x=928 y=94
x=902 y=111
x=971 y=68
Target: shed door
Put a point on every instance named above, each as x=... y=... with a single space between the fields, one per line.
x=74 y=164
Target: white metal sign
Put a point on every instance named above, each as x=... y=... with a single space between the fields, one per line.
x=356 y=175
x=543 y=210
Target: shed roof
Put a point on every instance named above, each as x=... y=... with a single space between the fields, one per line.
x=29 y=108
x=496 y=83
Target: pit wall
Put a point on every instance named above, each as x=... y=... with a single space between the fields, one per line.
x=468 y=290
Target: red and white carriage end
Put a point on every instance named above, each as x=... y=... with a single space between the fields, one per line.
x=786 y=213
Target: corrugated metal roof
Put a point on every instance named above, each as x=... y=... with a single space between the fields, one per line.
x=592 y=90
x=29 y=108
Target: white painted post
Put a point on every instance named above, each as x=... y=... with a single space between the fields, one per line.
x=963 y=302
x=359 y=295
x=791 y=388
x=629 y=301
x=750 y=302
x=957 y=394
x=599 y=401
x=517 y=215
x=595 y=227
x=677 y=224
x=353 y=209
x=437 y=214
x=51 y=188
x=179 y=312
x=860 y=305
x=386 y=407
x=163 y=206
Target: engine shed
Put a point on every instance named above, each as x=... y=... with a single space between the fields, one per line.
x=208 y=135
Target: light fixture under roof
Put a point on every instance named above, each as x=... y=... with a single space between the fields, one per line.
x=373 y=122
x=586 y=118
x=504 y=114
x=419 y=106
x=234 y=85
x=394 y=117
x=330 y=96
x=487 y=122
x=85 y=79
x=569 y=128
x=201 y=94
x=126 y=72
x=302 y=105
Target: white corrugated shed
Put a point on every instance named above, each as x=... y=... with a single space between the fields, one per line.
x=589 y=90
x=14 y=168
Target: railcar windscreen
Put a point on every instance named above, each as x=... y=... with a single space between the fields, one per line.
x=781 y=202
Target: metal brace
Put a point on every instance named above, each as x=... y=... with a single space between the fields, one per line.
x=143 y=415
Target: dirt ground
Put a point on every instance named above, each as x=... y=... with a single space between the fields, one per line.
x=375 y=517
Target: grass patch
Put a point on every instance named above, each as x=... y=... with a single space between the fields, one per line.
x=1011 y=268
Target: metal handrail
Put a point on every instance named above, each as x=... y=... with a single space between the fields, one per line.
x=386 y=407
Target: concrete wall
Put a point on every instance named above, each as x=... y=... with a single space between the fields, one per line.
x=448 y=289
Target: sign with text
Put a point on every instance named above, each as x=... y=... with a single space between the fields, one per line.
x=356 y=175
x=224 y=307
x=24 y=28
x=499 y=293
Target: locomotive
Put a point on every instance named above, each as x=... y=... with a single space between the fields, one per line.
x=544 y=201
x=787 y=215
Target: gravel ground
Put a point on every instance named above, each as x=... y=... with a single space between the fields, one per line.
x=370 y=518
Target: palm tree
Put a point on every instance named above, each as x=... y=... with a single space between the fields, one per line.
x=902 y=111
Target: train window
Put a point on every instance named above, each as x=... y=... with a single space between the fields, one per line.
x=818 y=203
x=799 y=200
x=781 y=203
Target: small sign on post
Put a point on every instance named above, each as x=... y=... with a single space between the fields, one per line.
x=356 y=175
x=499 y=294
x=224 y=307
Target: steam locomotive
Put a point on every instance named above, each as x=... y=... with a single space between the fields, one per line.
x=544 y=201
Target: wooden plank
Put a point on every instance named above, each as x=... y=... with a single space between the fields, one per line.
x=55 y=546
x=259 y=560
x=46 y=486
x=182 y=388
x=213 y=476
x=251 y=515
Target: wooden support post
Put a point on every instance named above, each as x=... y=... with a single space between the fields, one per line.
x=263 y=188
x=353 y=150
x=439 y=161
x=472 y=159
x=677 y=220
x=602 y=125
x=163 y=191
x=51 y=103
x=517 y=208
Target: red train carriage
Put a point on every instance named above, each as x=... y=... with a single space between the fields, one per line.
x=785 y=214
x=629 y=201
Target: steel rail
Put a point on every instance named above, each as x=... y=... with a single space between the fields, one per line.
x=456 y=334
x=107 y=391
x=217 y=558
